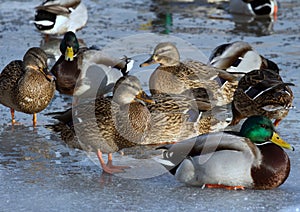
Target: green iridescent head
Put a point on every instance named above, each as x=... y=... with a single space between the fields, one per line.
x=260 y=130
x=69 y=46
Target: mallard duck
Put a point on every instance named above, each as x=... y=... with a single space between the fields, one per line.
x=74 y=62
x=56 y=17
x=171 y=119
x=252 y=158
x=175 y=77
x=253 y=7
x=262 y=92
x=238 y=58
x=175 y=117
x=108 y=124
x=27 y=86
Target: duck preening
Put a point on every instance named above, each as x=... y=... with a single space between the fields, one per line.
x=27 y=85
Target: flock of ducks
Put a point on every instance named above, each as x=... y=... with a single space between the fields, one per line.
x=180 y=114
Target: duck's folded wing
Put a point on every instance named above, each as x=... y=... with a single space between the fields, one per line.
x=205 y=145
x=55 y=9
x=266 y=87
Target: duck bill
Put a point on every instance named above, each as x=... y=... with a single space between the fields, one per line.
x=280 y=142
x=148 y=62
x=48 y=75
x=69 y=54
x=144 y=97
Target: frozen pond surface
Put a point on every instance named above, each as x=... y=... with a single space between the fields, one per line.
x=39 y=173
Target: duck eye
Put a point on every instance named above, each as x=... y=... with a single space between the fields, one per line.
x=264 y=126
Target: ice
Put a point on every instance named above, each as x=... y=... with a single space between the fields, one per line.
x=38 y=172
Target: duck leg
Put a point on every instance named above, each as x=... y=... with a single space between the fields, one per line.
x=224 y=186
x=12 y=112
x=109 y=167
x=109 y=163
x=276 y=122
x=46 y=38
x=34 y=120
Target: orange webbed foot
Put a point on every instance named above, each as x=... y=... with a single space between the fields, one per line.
x=224 y=186
x=276 y=122
x=109 y=167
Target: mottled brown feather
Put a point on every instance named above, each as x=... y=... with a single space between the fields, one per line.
x=279 y=94
x=26 y=89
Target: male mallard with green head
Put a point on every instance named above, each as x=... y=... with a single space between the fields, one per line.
x=252 y=158
x=74 y=63
x=27 y=86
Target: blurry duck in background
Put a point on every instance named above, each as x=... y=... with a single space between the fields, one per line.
x=254 y=7
x=56 y=17
x=27 y=86
x=74 y=62
x=253 y=25
x=262 y=92
x=175 y=117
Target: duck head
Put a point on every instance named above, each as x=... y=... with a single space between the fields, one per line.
x=165 y=54
x=36 y=59
x=260 y=130
x=128 y=89
x=69 y=46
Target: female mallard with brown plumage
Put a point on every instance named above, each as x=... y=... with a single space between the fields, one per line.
x=27 y=86
x=175 y=77
x=252 y=158
x=175 y=117
x=262 y=92
x=112 y=123
x=238 y=58
x=108 y=124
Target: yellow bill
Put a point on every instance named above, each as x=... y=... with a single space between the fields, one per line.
x=280 y=142
x=144 y=97
x=69 y=54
